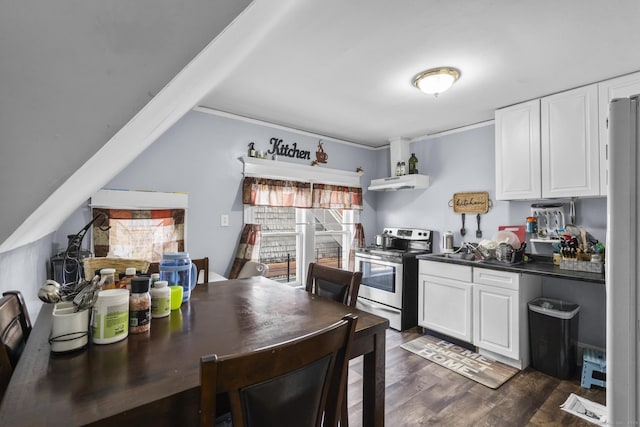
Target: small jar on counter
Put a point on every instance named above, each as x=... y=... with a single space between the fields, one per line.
x=160 y=299
x=125 y=282
x=139 y=305
x=107 y=278
x=154 y=278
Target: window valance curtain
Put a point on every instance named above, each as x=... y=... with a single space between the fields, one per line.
x=276 y=193
x=336 y=197
x=279 y=193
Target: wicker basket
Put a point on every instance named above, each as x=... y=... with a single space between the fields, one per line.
x=120 y=264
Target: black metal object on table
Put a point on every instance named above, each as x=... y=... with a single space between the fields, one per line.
x=72 y=263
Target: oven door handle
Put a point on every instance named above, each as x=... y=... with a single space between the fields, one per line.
x=378 y=306
x=376 y=260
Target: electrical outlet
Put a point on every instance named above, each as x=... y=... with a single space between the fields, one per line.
x=224 y=220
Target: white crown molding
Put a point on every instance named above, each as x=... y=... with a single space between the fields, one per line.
x=245 y=119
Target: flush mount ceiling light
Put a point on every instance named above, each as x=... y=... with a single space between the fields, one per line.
x=436 y=80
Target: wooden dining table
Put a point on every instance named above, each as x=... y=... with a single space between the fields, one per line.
x=153 y=378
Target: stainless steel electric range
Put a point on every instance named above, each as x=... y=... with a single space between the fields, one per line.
x=389 y=286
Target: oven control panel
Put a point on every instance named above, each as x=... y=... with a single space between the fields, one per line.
x=408 y=233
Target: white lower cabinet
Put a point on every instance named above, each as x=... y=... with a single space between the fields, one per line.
x=500 y=314
x=482 y=306
x=495 y=323
x=445 y=295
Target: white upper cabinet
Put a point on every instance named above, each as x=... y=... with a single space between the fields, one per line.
x=549 y=148
x=518 y=152
x=569 y=140
x=620 y=87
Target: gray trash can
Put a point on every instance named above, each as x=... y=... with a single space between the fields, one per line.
x=553 y=336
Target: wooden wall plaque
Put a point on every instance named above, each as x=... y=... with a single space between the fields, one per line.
x=471 y=202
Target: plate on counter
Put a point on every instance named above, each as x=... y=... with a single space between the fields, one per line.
x=507 y=237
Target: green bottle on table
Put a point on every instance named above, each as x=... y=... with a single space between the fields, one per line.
x=413 y=164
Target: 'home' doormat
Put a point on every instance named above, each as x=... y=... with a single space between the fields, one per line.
x=463 y=361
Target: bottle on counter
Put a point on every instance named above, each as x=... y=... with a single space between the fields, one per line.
x=154 y=278
x=125 y=282
x=160 y=299
x=413 y=164
x=398 y=169
x=139 y=305
x=403 y=168
x=107 y=278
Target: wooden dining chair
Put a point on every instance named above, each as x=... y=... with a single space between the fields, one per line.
x=202 y=264
x=154 y=267
x=15 y=327
x=300 y=382
x=338 y=285
x=334 y=283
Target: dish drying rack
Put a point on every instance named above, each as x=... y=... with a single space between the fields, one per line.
x=503 y=254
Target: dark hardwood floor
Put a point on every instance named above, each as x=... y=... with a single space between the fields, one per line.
x=422 y=393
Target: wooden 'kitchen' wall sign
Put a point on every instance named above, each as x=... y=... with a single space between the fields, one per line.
x=470 y=202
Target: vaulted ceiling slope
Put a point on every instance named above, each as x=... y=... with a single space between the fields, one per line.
x=74 y=77
x=71 y=76
x=344 y=68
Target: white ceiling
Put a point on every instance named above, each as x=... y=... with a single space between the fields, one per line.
x=343 y=68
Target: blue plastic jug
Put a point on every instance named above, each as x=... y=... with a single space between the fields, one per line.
x=177 y=269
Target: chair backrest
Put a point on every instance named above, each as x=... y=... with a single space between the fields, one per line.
x=202 y=264
x=252 y=268
x=154 y=267
x=295 y=383
x=334 y=283
x=15 y=327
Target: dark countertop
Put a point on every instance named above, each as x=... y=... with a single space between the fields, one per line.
x=539 y=265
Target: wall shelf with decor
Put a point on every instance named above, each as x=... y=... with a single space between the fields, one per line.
x=277 y=169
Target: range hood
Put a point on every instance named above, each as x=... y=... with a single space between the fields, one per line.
x=398 y=152
x=400 y=183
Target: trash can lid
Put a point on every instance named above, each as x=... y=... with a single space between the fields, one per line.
x=554 y=308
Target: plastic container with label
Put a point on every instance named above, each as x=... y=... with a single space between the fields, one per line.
x=107 y=278
x=125 y=282
x=160 y=299
x=154 y=278
x=111 y=316
x=139 y=305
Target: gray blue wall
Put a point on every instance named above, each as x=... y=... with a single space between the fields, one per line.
x=200 y=156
